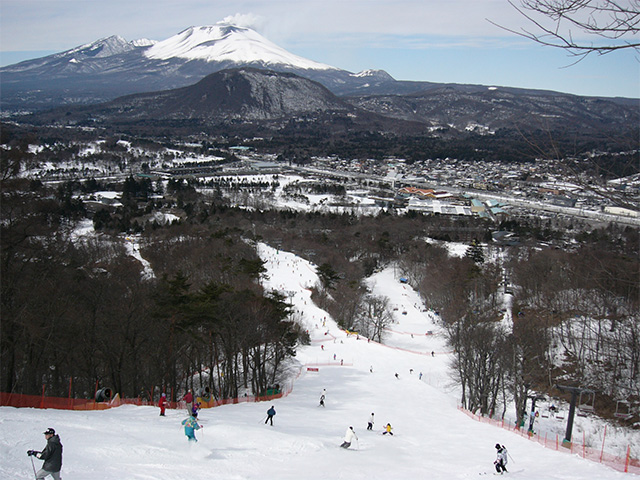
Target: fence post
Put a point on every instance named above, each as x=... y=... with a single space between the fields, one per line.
x=42 y=400
x=70 y=383
x=584 y=448
x=626 y=462
x=604 y=436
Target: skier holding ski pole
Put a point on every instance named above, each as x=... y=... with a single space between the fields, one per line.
x=501 y=460
x=52 y=456
x=348 y=438
x=270 y=414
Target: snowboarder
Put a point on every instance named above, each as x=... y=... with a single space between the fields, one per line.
x=188 y=400
x=501 y=460
x=387 y=429
x=270 y=414
x=370 y=423
x=162 y=403
x=348 y=438
x=190 y=427
x=52 y=456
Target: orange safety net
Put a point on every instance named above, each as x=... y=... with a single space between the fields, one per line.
x=621 y=464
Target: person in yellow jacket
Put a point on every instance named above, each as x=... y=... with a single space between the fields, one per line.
x=387 y=429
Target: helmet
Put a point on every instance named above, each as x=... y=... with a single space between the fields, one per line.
x=49 y=431
x=498 y=446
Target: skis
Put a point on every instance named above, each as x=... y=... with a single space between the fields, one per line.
x=508 y=472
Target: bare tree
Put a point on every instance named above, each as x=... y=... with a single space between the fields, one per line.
x=374 y=316
x=568 y=24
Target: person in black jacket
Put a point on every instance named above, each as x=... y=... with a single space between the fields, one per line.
x=270 y=413
x=52 y=456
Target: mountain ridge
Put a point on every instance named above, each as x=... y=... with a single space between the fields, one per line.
x=112 y=67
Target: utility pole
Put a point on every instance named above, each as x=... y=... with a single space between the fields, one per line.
x=575 y=391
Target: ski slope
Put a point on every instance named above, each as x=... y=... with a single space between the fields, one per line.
x=432 y=439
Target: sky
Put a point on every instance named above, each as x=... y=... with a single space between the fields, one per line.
x=429 y=40
x=432 y=438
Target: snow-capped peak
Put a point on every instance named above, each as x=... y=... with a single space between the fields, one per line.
x=227 y=42
x=143 y=42
x=376 y=74
x=105 y=47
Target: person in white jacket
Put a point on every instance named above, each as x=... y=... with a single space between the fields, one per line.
x=370 y=424
x=501 y=460
x=348 y=438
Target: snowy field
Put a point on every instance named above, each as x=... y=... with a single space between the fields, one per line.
x=432 y=439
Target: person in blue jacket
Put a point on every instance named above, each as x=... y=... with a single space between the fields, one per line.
x=190 y=427
x=52 y=456
x=270 y=414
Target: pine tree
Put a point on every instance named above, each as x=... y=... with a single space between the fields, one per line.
x=475 y=253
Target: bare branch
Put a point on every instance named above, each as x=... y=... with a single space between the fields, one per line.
x=614 y=21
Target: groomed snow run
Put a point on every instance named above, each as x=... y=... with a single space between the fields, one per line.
x=432 y=438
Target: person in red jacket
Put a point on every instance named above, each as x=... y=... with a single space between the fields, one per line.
x=188 y=399
x=162 y=403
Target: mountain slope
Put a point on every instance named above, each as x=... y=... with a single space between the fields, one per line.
x=432 y=439
x=244 y=94
x=489 y=109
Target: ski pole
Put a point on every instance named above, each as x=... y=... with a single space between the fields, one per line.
x=35 y=475
x=511 y=457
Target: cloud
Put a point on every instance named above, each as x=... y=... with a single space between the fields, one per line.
x=248 y=20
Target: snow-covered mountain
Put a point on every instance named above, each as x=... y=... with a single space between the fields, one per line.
x=112 y=67
x=224 y=42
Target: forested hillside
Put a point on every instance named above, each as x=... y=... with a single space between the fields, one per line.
x=83 y=307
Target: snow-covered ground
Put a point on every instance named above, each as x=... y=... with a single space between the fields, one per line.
x=432 y=438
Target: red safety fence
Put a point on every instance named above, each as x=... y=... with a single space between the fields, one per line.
x=621 y=464
x=60 y=403
x=38 y=401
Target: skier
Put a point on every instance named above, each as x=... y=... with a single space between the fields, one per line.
x=188 y=400
x=348 y=438
x=321 y=400
x=195 y=409
x=162 y=403
x=501 y=460
x=370 y=423
x=270 y=414
x=387 y=429
x=190 y=427
x=52 y=456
